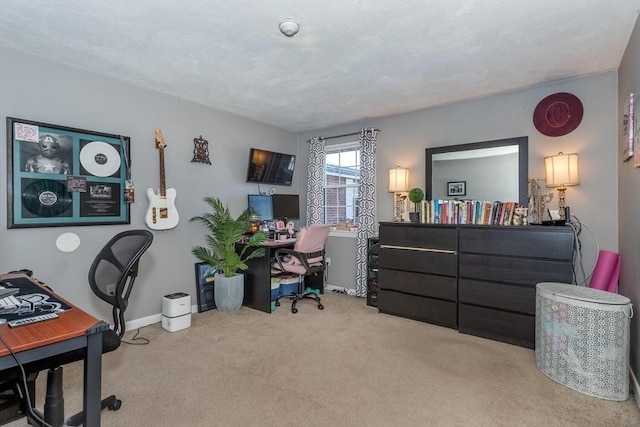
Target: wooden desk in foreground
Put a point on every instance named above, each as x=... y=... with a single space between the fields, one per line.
x=73 y=329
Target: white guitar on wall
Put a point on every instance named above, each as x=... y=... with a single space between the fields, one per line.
x=162 y=213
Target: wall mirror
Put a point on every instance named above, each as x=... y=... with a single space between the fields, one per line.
x=488 y=170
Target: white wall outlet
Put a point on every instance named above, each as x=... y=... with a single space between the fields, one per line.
x=328 y=261
x=111 y=290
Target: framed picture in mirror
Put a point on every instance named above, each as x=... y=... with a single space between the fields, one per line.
x=457 y=188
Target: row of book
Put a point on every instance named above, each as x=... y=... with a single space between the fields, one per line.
x=444 y=211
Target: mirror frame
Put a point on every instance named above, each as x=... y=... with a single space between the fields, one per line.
x=523 y=162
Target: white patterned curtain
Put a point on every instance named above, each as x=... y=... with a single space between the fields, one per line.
x=315 y=181
x=366 y=205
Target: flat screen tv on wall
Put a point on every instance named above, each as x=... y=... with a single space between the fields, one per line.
x=268 y=167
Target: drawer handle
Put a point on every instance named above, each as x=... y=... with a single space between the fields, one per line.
x=410 y=248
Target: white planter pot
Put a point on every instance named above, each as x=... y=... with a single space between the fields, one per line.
x=229 y=292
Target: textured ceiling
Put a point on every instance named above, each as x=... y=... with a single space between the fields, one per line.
x=351 y=60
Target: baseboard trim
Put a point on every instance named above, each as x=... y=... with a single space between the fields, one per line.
x=149 y=320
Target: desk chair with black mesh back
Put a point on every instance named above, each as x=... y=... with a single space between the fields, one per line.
x=111 y=278
x=306 y=259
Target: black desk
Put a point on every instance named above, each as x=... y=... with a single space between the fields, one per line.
x=257 y=278
x=73 y=329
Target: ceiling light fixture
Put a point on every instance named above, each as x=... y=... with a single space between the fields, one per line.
x=289 y=27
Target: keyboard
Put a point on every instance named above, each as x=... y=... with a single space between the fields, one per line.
x=9 y=301
x=30 y=320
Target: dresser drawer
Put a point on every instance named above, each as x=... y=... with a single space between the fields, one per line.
x=506 y=297
x=522 y=271
x=419 y=236
x=513 y=328
x=418 y=284
x=424 y=309
x=532 y=241
x=418 y=260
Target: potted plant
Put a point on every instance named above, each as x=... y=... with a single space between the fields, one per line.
x=416 y=195
x=222 y=253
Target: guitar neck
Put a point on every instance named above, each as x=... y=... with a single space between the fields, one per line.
x=163 y=185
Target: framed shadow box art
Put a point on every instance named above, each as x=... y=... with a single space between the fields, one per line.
x=61 y=176
x=628 y=128
x=205 y=278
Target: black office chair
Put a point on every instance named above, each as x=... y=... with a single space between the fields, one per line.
x=111 y=278
x=306 y=259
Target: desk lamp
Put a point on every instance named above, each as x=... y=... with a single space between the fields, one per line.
x=561 y=171
x=399 y=186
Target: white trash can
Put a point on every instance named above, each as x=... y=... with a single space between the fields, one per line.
x=582 y=339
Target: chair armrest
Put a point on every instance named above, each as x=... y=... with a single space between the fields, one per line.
x=281 y=254
x=300 y=256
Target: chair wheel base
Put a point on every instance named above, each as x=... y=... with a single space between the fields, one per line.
x=115 y=405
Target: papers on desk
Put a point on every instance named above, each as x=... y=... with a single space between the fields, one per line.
x=7 y=299
x=32 y=300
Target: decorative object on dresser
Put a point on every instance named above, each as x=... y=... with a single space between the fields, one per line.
x=537 y=201
x=225 y=233
x=416 y=195
x=561 y=171
x=399 y=186
x=520 y=215
x=162 y=213
x=477 y=279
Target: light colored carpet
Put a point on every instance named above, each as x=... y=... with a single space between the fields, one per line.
x=346 y=365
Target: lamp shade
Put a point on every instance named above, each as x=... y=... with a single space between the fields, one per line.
x=561 y=170
x=398 y=179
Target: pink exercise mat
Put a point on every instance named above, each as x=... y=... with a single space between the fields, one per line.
x=606 y=272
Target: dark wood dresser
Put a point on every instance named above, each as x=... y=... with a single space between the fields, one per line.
x=477 y=279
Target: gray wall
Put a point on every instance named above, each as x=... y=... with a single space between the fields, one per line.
x=629 y=201
x=403 y=139
x=36 y=89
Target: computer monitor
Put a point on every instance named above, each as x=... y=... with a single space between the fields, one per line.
x=286 y=206
x=261 y=205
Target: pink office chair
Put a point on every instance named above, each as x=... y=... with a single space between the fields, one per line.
x=305 y=259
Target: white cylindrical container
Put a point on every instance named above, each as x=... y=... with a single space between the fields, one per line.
x=582 y=339
x=176 y=311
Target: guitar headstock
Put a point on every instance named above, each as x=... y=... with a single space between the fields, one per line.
x=160 y=144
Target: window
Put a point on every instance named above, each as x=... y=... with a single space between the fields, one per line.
x=342 y=183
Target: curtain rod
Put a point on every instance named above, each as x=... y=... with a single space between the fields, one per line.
x=340 y=136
